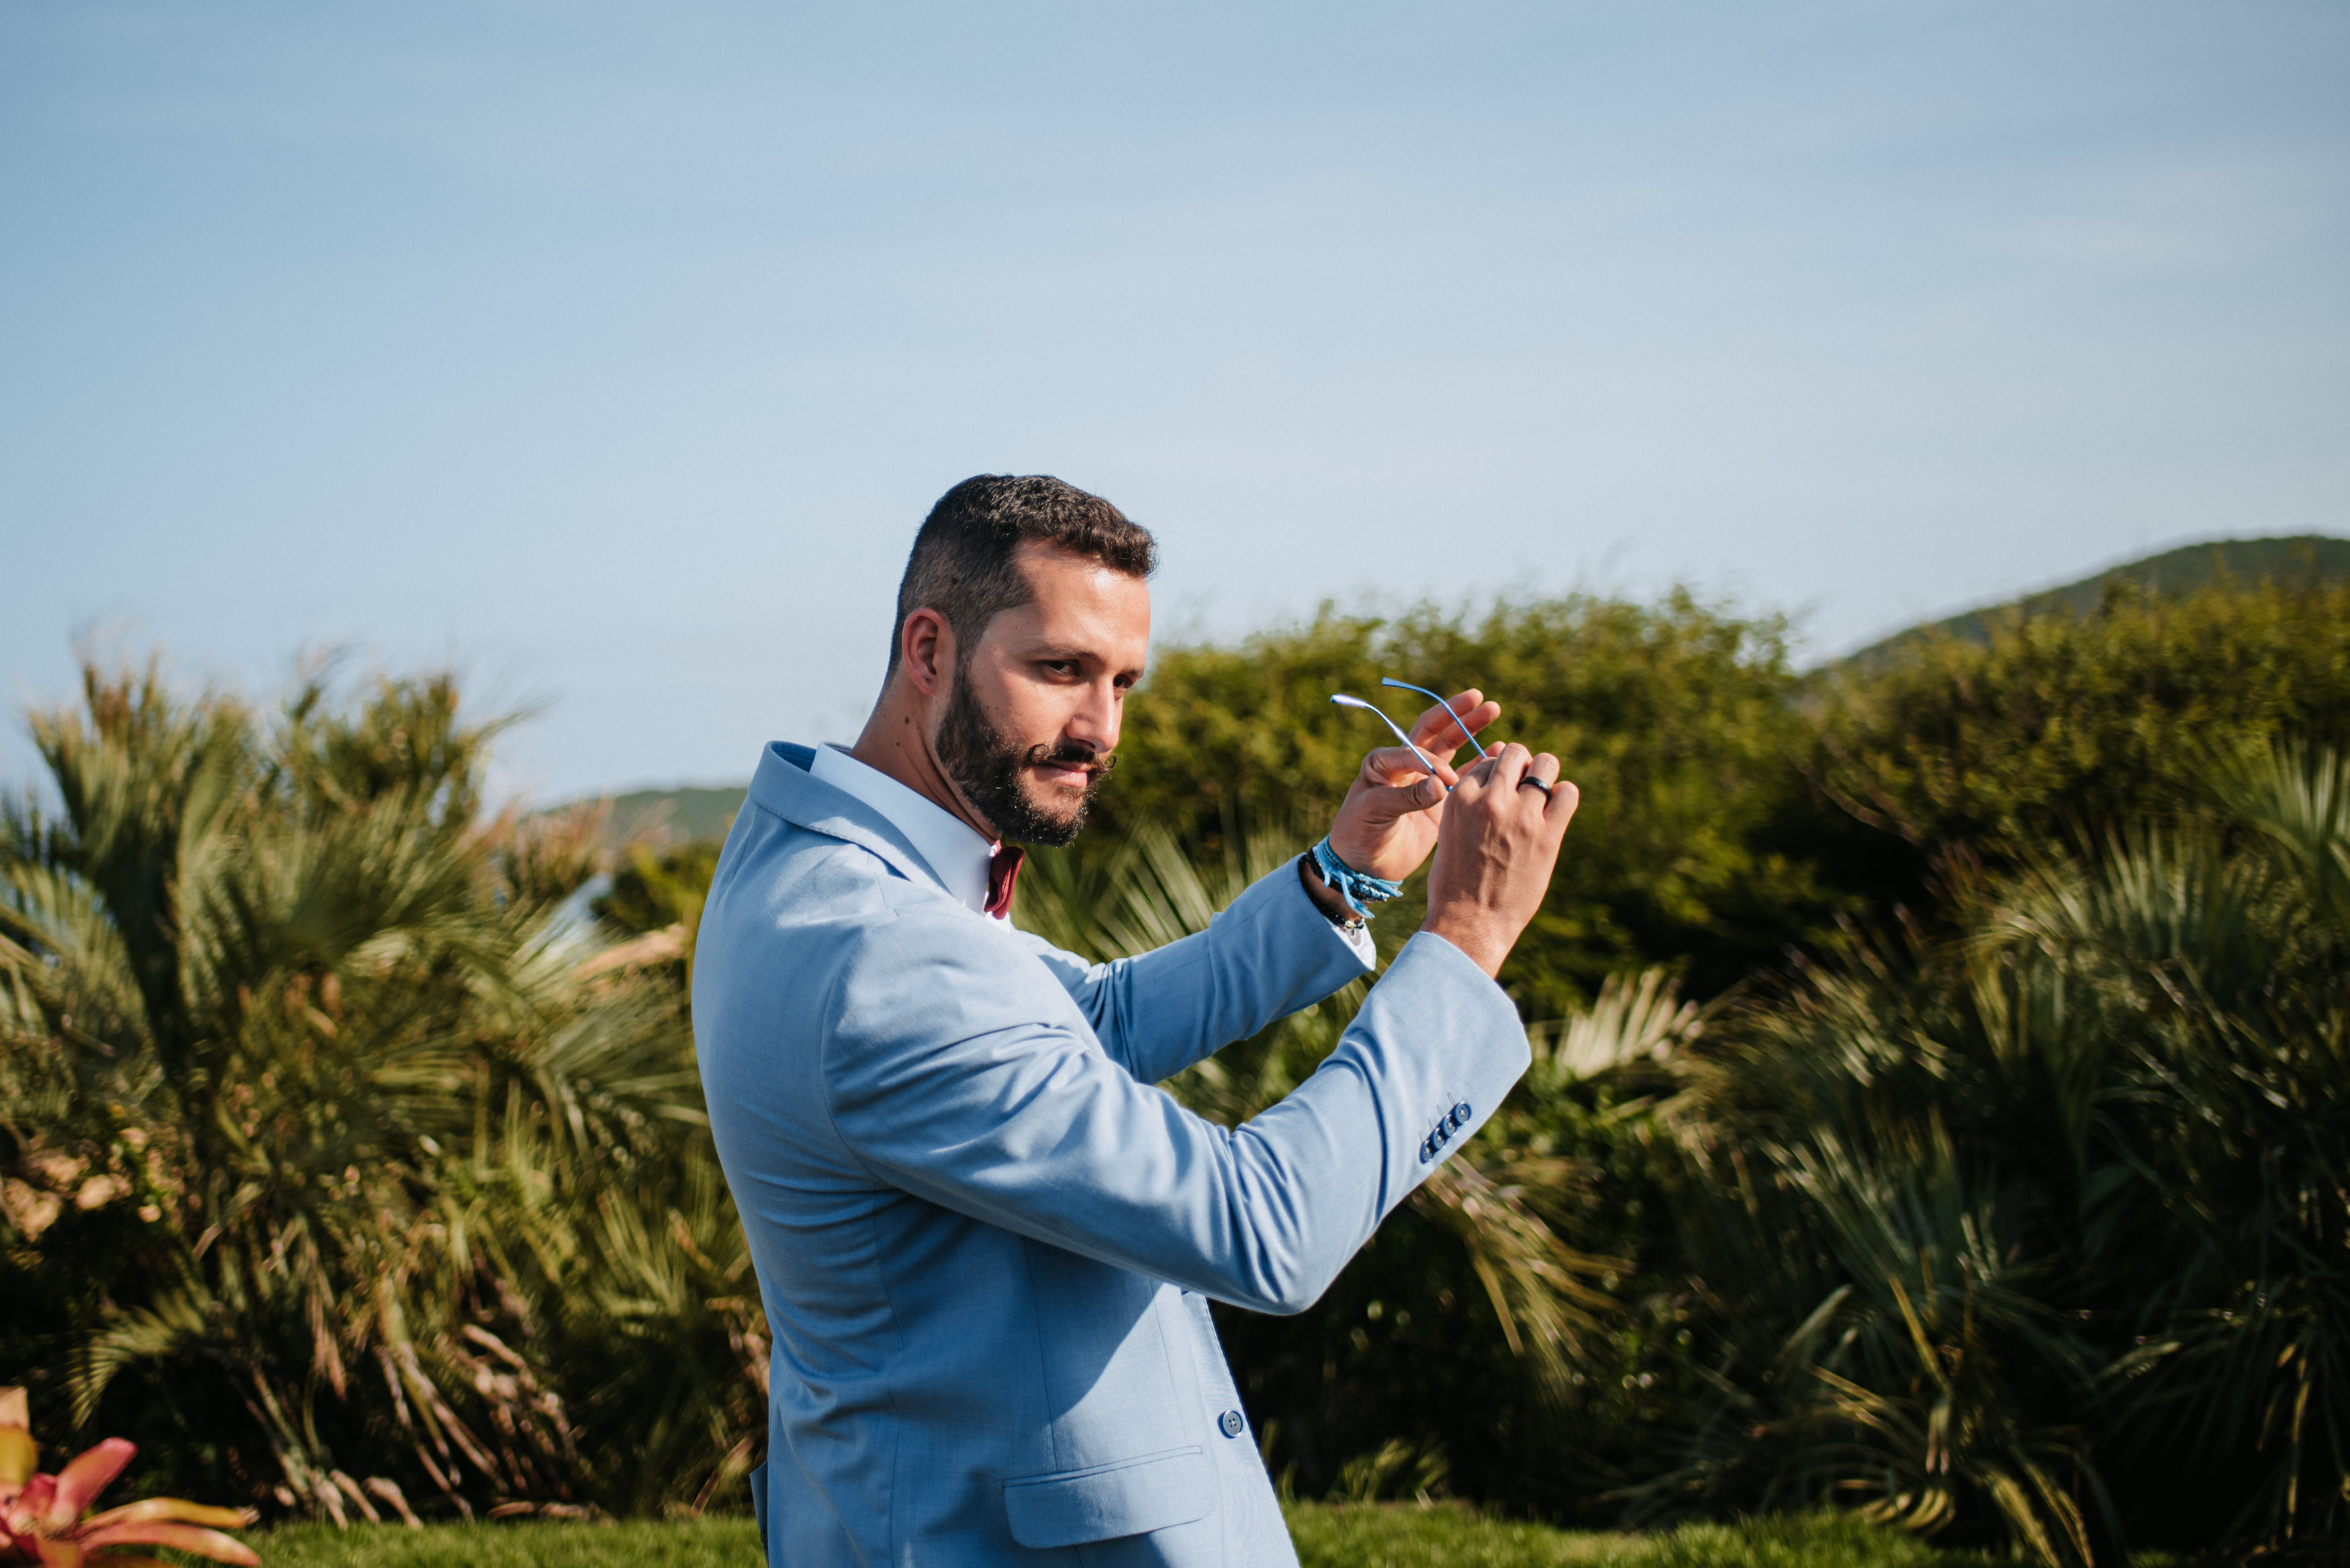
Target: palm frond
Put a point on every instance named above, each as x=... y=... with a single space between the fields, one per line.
x=391 y=1137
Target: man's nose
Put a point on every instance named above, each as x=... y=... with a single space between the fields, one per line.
x=1096 y=721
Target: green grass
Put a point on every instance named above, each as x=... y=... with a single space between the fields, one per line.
x=1378 y=1536
x=639 y=1544
x=1359 y=1536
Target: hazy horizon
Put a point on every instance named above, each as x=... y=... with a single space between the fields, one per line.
x=668 y=785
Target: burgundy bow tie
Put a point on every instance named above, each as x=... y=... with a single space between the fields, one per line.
x=1002 y=872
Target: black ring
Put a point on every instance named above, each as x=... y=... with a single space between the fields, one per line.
x=1535 y=783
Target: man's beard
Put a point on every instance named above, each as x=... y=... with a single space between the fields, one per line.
x=993 y=774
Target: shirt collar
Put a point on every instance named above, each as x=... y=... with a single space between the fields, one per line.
x=960 y=856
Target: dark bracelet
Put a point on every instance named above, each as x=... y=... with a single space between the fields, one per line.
x=1345 y=919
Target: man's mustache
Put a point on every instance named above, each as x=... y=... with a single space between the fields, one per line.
x=1072 y=755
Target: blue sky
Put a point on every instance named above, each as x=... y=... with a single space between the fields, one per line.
x=612 y=353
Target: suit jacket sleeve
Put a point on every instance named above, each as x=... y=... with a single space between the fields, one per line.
x=961 y=1090
x=1268 y=955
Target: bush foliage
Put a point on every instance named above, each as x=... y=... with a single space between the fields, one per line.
x=338 y=1170
x=1679 y=718
x=2061 y=725
x=1937 y=1110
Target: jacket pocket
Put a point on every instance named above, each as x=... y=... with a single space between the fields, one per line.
x=1156 y=1491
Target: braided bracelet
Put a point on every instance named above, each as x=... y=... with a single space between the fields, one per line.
x=1355 y=886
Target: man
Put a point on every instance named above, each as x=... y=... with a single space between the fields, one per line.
x=985 y=1241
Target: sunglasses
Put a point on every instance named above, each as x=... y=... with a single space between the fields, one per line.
x=1344 y=701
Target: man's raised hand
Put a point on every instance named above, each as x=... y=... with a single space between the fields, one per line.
x=1500 y=846
x=1387 y=823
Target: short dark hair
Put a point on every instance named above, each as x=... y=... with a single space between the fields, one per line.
x=962 y=564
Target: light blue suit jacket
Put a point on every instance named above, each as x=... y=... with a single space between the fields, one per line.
x=985 y=1241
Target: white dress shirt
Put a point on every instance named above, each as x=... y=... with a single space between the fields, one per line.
x=943 y=839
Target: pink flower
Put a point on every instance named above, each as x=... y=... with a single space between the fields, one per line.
x=42 y=1516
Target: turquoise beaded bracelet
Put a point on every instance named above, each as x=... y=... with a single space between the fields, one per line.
x=1355 y=886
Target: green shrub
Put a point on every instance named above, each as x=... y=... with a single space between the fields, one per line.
x=2059 y=724
x=332 y=1155
x=2044 y=1230
x=1676 y=719
x=2017 y=1218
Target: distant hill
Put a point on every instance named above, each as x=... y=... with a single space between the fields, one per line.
x=2297 y=558
x=675 y=814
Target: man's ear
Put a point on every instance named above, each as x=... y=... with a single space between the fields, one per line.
x=926 y=650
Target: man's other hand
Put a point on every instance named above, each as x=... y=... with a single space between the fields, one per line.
x=1501 y=843
x=1388 y=821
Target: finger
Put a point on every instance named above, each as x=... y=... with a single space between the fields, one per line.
x=1389 y=764
x=1559 y=810
x=1392 y=803
x=1541 y=771
x=1436 y=720
x=1447 y=726
x=1494 y=776
x=1510 y=764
